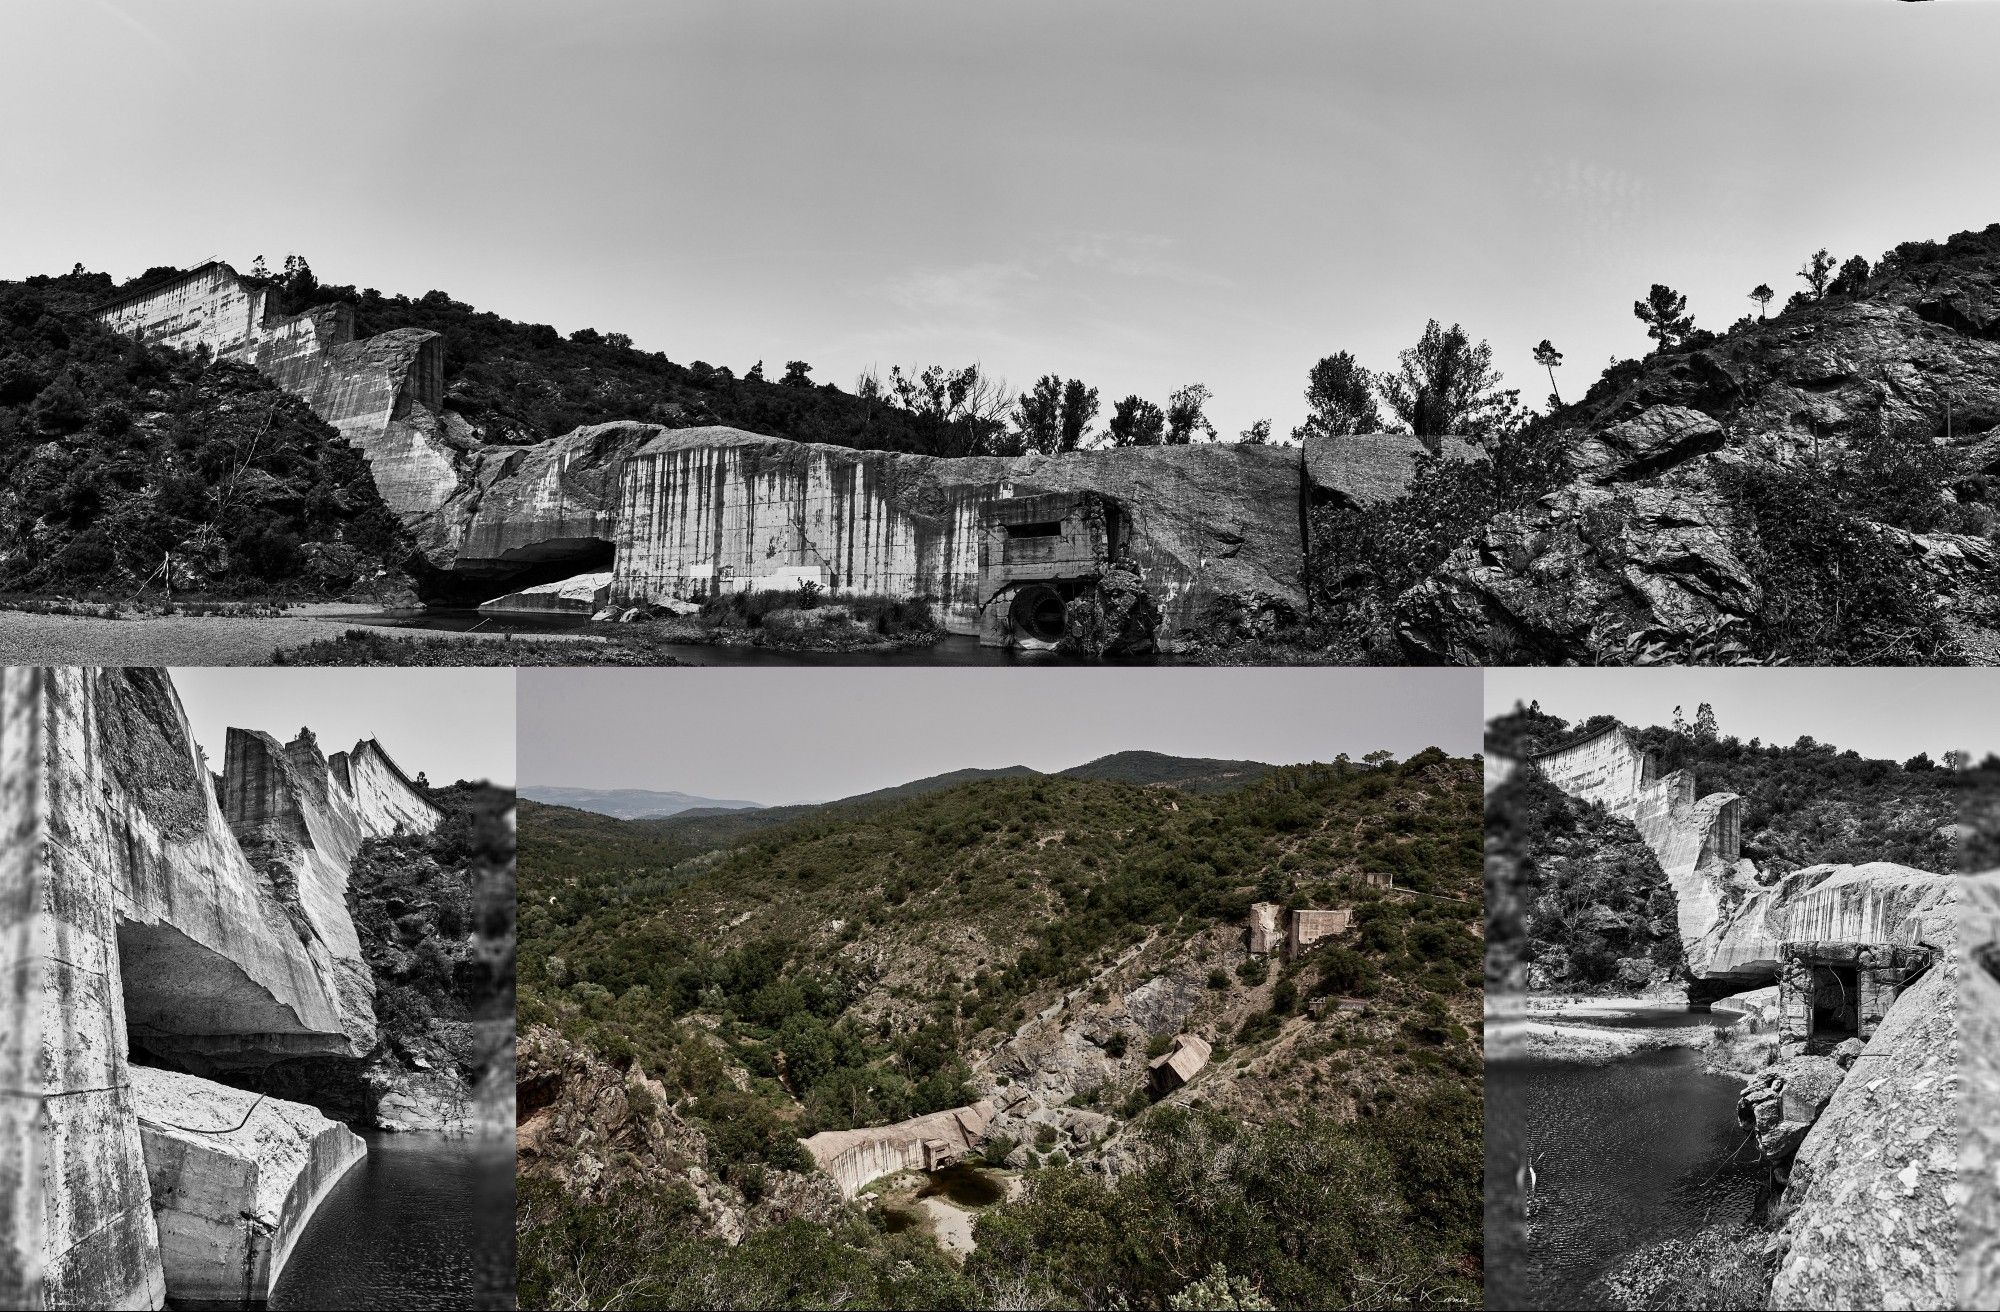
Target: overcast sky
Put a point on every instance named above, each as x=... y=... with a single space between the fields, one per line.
x=1142 y=194
x=449 y=724
x=1885 y=714
x=780 y=735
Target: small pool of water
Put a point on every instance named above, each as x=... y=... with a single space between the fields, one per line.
x=1623 y=1155
x=424 y=1221
x=966 y=1185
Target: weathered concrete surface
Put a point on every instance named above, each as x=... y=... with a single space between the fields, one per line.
x=1870 y=1205
x=148 y=928
x=1309 y=927
x=585 y=594
x=923 y=1143
x=1352 y=470
x=234 y=1179
x=1266 y=935
x=1179 y=1064
x=1698 y=841
x=384 y=394
x=1977 y=1188
x=689 y=513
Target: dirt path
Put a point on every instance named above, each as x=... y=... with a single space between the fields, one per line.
x=30 y=639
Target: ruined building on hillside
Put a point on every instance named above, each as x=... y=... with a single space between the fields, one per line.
x=1000 y=547
x=1304 y=929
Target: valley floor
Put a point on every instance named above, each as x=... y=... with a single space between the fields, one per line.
x=175 y=640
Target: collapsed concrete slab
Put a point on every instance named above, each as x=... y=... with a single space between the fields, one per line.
x=1178 y=1064
x=585 y=594
x=141 y=923
x=854 y=1158
x=234 y=1178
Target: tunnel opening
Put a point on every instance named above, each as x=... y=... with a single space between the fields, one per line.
x=549 y=561
x=1037 y=612
x=1836 y=996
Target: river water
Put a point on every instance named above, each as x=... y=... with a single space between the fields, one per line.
x=952 y=650
x=424 y=1221
x=1625 y=1154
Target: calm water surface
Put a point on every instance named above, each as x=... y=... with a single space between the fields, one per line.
x=1625 y=1155
x=423 y=1221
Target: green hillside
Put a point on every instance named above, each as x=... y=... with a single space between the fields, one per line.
x=859 y=965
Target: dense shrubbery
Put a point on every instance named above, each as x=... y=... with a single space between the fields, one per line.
x=522 y=382
x=112 y=455
x=1836 y=592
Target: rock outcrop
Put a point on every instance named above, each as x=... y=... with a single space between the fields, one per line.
x=150 y=928
x=1643 y=543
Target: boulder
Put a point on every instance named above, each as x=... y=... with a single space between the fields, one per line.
x=1653 y=440
x=1577 y=573
x=1115 y=617
x=1872 y=1201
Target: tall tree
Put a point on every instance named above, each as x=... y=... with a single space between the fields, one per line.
x=1762 y=294
x=1136 y=421
x=1852 y=277
x=1664 y=312
x=1340 y=399
x=1187 y=415
x=1258 y=434
x=1038 y=415
x=797 y=374
x=960 y=412
x=1816 y=272
x=1547 y=356
x=1446 y=385
x=1079 y=412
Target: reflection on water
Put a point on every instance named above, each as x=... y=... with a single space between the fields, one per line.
x=1622 y=1155
x=423 y=1221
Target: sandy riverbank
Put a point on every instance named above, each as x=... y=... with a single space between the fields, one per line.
x=1548 y=1027
x=33 y=639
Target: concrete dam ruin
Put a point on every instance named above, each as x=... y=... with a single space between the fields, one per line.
x=160 y=928
x=997 y=546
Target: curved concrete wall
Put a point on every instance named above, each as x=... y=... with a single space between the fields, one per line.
x=138 y=919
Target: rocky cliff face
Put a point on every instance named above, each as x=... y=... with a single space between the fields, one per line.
x=1647 y=539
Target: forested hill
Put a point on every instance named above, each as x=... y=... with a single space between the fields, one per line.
x=858 y=966
x=114 y=455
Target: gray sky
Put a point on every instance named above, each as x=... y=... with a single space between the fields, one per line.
x=790 y=735
x=1888 y=714
x=449 y=724
x=1142 y=194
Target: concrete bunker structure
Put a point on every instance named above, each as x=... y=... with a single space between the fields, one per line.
x=167 y=926
x=854 y=1158
x=1830 y=992
x=1303 y=929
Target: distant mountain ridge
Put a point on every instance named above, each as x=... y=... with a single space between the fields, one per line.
x=631 y=803
x=1196 y=774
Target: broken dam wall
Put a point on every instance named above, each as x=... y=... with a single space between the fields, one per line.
x=1697 y=841
x=685 y=514
x=150 y=927
x=384 y=394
